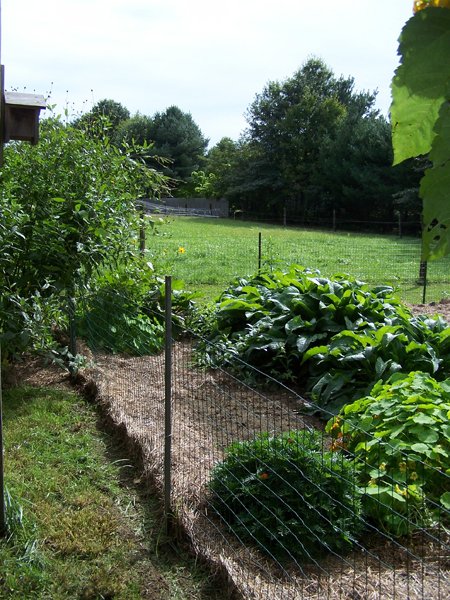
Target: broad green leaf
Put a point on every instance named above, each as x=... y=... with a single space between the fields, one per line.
x=421 y=448
x=421 y=83
x=445 y=500
x=435 y=192
x=422 y=419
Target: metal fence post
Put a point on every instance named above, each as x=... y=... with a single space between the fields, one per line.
x=168 y=403
x=423 y=272
x=72 y=328
x=2 y=482
x=259 y=250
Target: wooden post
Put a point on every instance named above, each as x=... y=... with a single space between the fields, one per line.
x=423 y=269
x=2 y=85
x=2 y=483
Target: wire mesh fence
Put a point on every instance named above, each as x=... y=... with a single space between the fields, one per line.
x=212 y=255
x=265 y=493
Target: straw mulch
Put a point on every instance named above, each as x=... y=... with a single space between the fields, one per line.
x=210 y=410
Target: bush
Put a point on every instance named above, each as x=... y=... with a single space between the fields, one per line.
x=400 y=439
x=288 y=495
x=124 y=311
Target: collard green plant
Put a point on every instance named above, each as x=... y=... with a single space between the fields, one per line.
x=333 y=338
x=288 y=496
x=399 y=436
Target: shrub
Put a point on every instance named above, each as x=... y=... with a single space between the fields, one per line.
x=124 y=311
x=288 y=495
x=400 y=439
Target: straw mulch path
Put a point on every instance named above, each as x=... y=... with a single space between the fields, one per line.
x=209 y=411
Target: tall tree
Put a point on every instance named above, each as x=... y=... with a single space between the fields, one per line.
x=137 y=128
x=221 y=163
x=354 y=173
x=111 y=112
x=288 y=122
x=177 y=137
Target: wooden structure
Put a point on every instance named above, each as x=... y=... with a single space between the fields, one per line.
x=21 y=116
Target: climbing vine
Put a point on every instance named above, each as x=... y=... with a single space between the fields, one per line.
x=420 y=115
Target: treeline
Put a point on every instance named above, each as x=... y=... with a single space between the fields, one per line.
x=314 y=149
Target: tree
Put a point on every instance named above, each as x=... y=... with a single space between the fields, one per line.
x=137 y=128
x=288 y=123
x=221 y=162
x=178 y=138
x=420 y=115
x=354 y=172
x=111 y=112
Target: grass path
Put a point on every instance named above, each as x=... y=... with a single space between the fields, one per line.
x=83 y=524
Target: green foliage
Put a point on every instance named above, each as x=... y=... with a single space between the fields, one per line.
x=111 y=112
x=67 y=210
x=136 y=129
x=399 y=437
x=338 y=335
x=291 y=124
x=355 y=172
x=288 y=495
x=178 y=138
x=124 y=310
x=420 y=117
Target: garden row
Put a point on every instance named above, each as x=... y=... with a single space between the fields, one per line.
x=373 y=371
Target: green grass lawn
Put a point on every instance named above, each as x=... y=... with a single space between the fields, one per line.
x=83 y=525
x=208 y=253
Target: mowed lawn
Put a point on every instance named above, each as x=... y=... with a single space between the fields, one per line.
x=207 y=254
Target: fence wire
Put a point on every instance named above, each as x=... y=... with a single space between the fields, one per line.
x=254 y=480
x=207 y=258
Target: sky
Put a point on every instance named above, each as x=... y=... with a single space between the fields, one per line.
x=209 y=58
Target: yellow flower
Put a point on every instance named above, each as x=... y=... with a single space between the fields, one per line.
x=402 y=467
x=181 y=250
x=414 y=476
x=382 y=467
x=421 y=4
x=400 y=491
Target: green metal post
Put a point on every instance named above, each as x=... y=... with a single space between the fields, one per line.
x=2 y=483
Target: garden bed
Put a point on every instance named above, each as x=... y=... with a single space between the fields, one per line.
x=210 y=410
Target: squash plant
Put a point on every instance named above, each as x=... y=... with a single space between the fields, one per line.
x=399 y=438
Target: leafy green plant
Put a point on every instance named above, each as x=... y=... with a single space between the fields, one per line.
x=125 y=310
x=288 y=495
x=420 y=114
x=332 y=337
x=67 y=210
x=348 y=366
x=399 y=437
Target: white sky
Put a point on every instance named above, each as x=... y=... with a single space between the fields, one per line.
x=208 y=58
